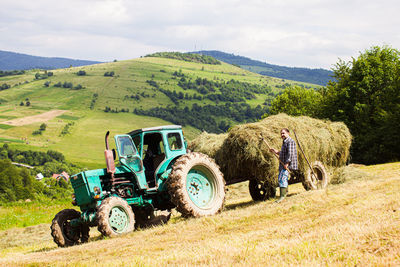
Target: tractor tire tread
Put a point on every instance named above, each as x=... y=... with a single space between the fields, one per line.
x=57 y=232
x=177 y=185
x=103 y=212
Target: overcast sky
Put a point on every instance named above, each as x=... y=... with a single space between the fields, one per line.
x=301 y=33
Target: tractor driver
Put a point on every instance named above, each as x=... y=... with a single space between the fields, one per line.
x=148 y=162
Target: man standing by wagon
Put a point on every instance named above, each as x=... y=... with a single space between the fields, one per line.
x=288 y=161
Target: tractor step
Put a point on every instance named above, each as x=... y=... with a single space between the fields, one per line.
x=152 y=190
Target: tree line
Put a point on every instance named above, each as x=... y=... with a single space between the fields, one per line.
x=18 y=182
x=364 y=94
x=187 y=57
x=211 y=118
x=11 y=72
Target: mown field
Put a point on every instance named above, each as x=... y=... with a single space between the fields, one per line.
x=355 y=223
x=84 y=117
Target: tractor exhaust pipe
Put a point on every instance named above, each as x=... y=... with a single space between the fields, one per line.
x=107 y=146
x=108 y=154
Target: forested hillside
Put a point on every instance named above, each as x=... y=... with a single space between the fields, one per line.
x=316 y=76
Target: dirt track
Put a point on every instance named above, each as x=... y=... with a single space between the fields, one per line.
x=36 y=118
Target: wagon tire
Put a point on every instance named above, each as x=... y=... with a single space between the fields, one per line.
x=260 y=191
x=321 y=180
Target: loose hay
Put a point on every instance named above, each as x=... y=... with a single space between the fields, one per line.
x=343 y=174
x=243 y=155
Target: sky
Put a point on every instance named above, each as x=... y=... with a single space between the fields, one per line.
x=295 y=33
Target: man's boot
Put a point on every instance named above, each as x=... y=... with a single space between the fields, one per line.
x=282 y=194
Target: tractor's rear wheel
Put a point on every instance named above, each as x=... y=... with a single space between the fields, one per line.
x=196 y=185
x=260 y=191
x=318 y=181
x=115 y=217
x=65 y=235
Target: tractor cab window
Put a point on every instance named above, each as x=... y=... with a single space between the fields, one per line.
x=126 y=146
x=174 y=141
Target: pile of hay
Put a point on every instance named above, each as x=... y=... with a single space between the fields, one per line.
x=346 y=173
x=207 y=143
x=243 y=155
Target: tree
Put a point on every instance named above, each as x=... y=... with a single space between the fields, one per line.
x=366 y=97
x=43 y=127
x=296 y=101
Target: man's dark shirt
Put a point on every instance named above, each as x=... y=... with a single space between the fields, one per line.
x=288 y=154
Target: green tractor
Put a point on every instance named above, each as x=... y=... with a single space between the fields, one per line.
x=155 y=173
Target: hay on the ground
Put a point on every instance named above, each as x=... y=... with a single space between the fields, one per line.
x=243 y=155
x=346 y=173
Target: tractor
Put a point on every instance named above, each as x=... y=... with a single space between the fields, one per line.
x=154 y=174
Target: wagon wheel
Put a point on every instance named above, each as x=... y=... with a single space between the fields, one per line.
x=261 y=191
x=318 y=181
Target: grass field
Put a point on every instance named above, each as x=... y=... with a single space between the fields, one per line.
x=355 y=223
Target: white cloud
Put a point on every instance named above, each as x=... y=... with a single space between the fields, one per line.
x=311 y=33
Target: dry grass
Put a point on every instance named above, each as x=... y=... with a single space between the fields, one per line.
x=354 y=223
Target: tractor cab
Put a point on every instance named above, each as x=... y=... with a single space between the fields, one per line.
x=149 y=151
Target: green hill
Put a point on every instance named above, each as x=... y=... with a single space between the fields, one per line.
x=87 y=101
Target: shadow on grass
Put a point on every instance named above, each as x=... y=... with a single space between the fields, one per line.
x=241 y=205
x=91 y=239
x=46 y=249
x=253 y=202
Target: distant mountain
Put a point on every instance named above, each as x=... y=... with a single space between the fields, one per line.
x=16 y=61
x=315 y=76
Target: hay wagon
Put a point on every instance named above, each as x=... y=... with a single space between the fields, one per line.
x=243 y=156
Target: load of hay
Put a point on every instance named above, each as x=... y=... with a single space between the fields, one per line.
x=207 y=143
x=243 y=155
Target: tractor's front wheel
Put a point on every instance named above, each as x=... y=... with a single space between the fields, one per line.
x=64 y=234
x=260 y=191
x=196 y=185
x=115 y=217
